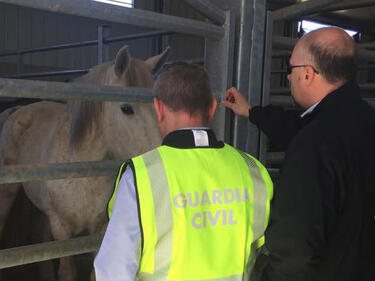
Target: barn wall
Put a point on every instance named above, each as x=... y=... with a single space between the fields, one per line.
x=183 y=47
x=28 y=28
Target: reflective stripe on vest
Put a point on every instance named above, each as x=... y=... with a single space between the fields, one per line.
x=200 y=226
x=112 y=199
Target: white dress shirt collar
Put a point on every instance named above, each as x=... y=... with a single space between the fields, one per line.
x=309 y=110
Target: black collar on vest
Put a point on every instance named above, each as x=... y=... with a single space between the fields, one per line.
x=184 y=138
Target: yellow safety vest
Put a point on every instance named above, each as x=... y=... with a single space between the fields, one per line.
x=203 y=212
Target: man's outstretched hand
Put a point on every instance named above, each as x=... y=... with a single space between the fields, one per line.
x=237 y=102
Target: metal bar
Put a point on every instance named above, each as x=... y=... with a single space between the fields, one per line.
x=102 y=11
x=266 y=80
x=219 y=65
x=284 y=101
x=283 y=42
x=287 y=101
x=361 y=67
x=137 y=36
x=100 y=50
x=366 y=67
x=42 y=172
x=193 y=61
x=47 y=74
x=301 y=9
x=370 y=45
x=344 y=5
x=366 y=55
x=280 y=91
x=49 y=250
x=71 y=91
x=288 y=43
x=286 y=90
x=278 y=71
x=275 y=158
x=249 y=78
x=283 y=53
x=20 y=65
x=274 y=173
x=49 y=48
x=367 y=86
x=208 y=9
x=86 y=43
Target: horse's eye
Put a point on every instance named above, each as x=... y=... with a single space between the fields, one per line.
x=127 y=109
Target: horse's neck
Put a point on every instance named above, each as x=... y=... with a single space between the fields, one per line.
x=92 y=147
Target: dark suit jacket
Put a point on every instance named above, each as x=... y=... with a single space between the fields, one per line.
x=322 y=224
x=279 y=125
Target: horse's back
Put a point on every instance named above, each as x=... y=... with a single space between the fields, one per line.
x=25 y=130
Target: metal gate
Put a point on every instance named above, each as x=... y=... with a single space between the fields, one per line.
x=218 y=59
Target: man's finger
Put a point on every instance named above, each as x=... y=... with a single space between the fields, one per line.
x=226 y=104
x=234 y=92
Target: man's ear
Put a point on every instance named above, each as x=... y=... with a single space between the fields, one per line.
x=212 y=110
x=309 y=75
x=159 y=108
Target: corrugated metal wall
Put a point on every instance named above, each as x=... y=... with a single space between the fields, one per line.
x=28 y=28
x=184 y=47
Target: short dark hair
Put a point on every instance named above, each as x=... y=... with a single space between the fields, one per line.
x=333 y=65
x=184 y=86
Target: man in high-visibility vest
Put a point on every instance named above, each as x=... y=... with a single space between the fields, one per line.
x=194 y=208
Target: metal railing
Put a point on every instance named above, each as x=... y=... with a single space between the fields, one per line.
x=219 y=40
x=100 y=42
x=284 y=45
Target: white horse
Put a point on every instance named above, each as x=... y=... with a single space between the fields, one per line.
x=48 y=132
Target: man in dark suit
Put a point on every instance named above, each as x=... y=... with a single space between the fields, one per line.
x=322 y=224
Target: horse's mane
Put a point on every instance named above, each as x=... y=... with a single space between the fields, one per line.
x=86 y=113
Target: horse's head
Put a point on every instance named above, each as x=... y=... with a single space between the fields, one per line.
x=129 y=128
x=126 y=71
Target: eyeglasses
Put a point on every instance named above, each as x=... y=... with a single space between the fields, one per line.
x=289 y=68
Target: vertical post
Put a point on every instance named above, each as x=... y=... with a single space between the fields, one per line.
x=266 y=81
x=102 y=45
x=218 y=62
x=249 y=70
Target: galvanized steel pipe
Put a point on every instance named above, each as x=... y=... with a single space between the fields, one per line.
x=71 y=91
x=286 y=90
x=279 y=100
x=301 y=9
x=283 y=53
x=366 y=54
x=288 y=43
x=275 y=158
x=208 y=9
x=274 y=173
x=47 y=74
x=112 y=13
x=283 y=42
x=42 y=172
x=85 y=43
x=287 y=101
x=344 y=5
x=370 y=45
x=49 y=250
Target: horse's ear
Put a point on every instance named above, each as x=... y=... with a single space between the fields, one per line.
x=156 y=62
x=122 y=61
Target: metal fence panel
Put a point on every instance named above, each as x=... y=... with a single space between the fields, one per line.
x=97 y=10
x=219 y=66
